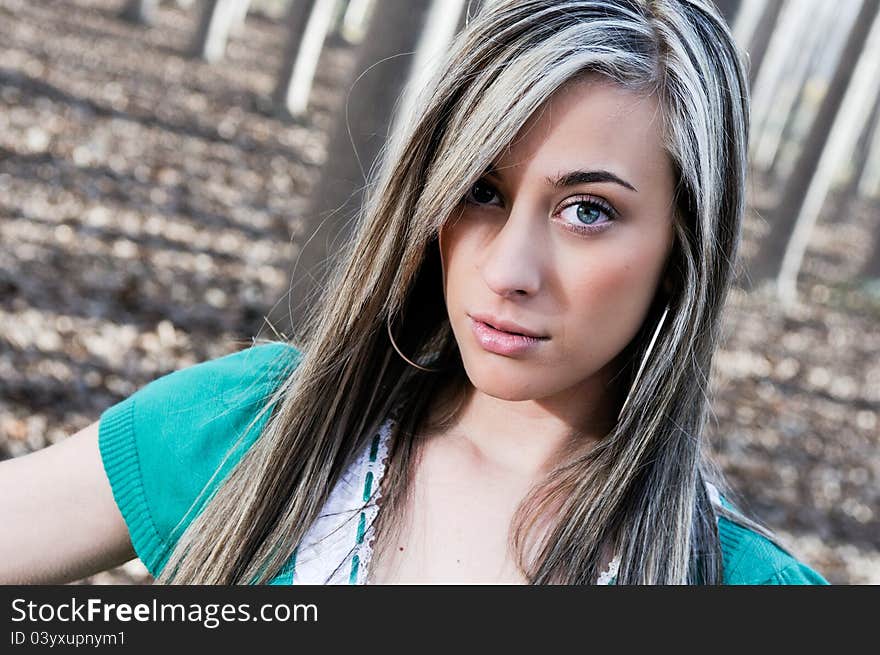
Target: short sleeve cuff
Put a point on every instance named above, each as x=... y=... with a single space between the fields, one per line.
x=116 y=441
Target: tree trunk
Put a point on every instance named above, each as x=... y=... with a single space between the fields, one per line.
x=785 y=48
x=355 y=20
x=869 y=180
x=141 y=12
x=761 y=37
x=215 y=21
x=773 y=125
x=239 y=16
x=781 y=253
x=440 y=29
x=832 y=25
x=863 y=150
x=308 y=22
x=362 y=122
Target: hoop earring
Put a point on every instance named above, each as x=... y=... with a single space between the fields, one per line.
x=404 y=357
x=644 y=361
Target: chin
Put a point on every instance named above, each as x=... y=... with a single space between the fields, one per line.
x=505 y=392
x=504 y=384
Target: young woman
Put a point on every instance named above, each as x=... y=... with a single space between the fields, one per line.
x=505 y=379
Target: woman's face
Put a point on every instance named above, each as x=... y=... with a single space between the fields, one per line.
x=567 y=238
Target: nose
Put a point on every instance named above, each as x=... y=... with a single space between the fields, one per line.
x=513 y=259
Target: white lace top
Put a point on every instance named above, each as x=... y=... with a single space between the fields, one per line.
x=338 y=547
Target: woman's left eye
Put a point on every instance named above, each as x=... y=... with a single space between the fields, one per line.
x=587 y=215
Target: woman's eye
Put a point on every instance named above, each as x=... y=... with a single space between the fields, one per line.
x=587 y=212
x=581 y=215
x=480 y=193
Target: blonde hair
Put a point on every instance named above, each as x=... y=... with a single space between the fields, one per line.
x=643 y=488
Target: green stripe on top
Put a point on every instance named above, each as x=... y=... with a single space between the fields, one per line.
x=361 y=528
x=368 y=485
x=374 y=448
x=355 y=561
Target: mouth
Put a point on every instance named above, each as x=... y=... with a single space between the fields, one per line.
x=519 y=334
x=506 y=327
x=503 y=342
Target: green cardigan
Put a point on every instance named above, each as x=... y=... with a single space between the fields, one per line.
x=161 y=445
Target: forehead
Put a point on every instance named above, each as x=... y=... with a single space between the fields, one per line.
x=591 y=123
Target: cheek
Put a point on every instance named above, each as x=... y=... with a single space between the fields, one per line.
x=457 y=250
x=605 y=303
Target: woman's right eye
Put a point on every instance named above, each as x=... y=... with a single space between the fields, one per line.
x=481 y=192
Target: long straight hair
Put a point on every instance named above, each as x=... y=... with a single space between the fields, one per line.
x=643 y=489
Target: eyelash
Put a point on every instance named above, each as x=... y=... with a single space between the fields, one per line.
x=589 y=201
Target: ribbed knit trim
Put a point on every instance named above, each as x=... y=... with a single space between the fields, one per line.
x=730 y=535
x=116 y=441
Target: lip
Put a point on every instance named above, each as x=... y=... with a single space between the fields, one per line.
x=500 y=342
x=506 y=326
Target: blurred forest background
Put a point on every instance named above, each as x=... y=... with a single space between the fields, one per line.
x=163 y=164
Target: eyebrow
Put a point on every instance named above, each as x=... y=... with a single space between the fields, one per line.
x=573 y=178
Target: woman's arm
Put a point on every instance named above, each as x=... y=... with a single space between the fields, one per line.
x=59 y=520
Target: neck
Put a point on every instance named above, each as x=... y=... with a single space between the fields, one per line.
x=525 y=438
